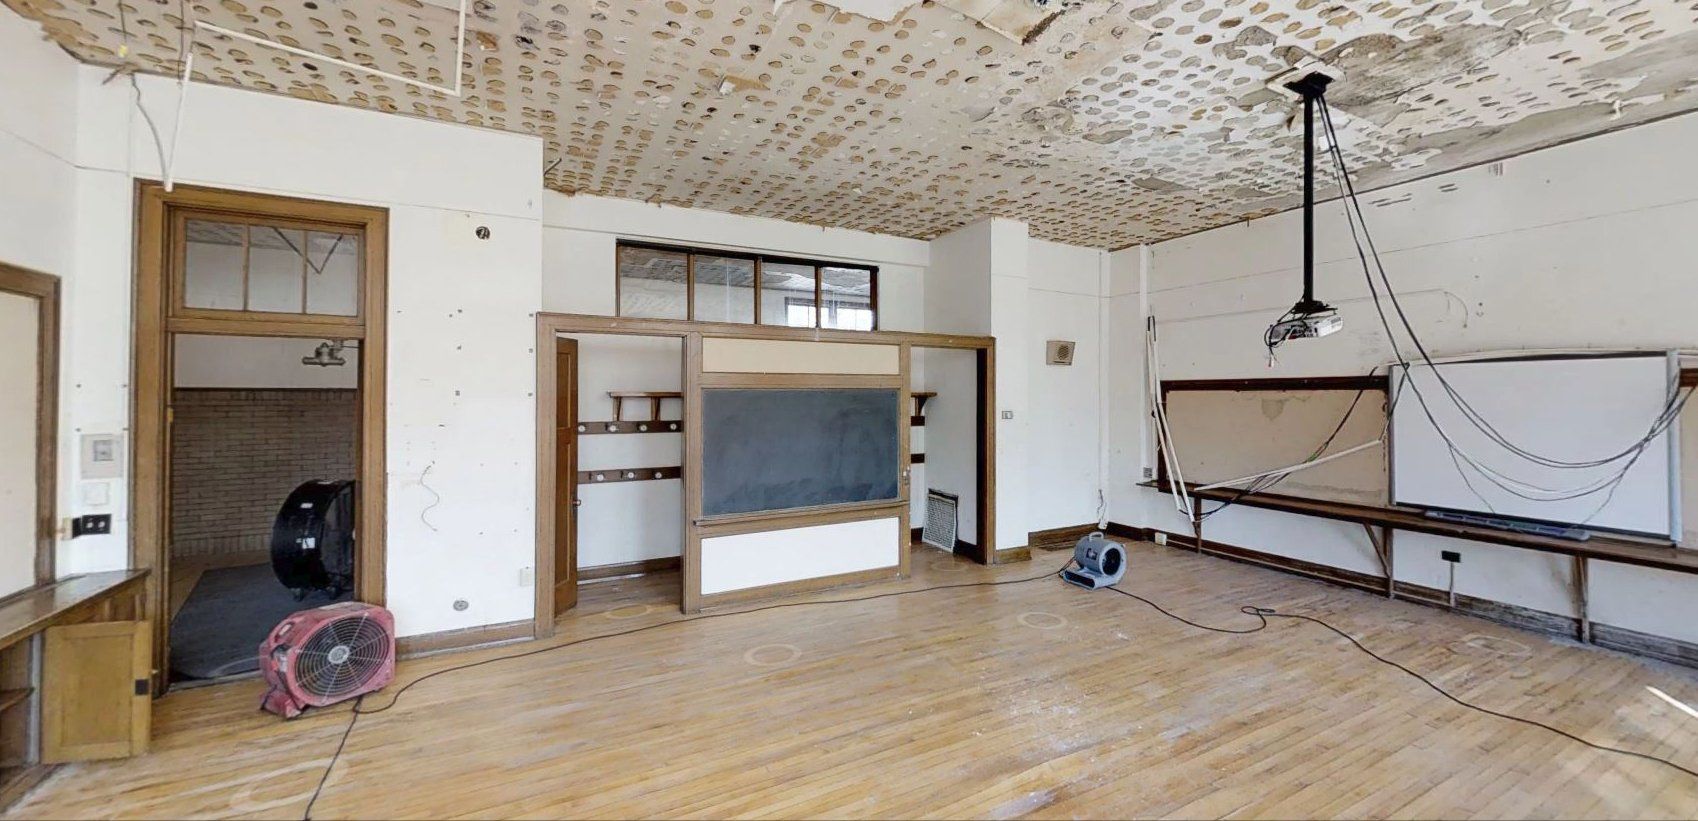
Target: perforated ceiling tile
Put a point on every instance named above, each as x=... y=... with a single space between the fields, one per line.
x=1100 y=122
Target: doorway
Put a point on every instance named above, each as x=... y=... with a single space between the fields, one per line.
x=258 y=417
x=617 y=468
x=566 y=465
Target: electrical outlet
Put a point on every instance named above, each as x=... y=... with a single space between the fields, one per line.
x=93 y=524
x=1161 y=538
x=1451 y=556
x=526 y=576
x=1149 y=473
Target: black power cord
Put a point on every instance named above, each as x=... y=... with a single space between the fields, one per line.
x=1262 y=615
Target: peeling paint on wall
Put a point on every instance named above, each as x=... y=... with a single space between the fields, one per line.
x=914 y=118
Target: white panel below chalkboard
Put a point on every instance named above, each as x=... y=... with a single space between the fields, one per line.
x=777 y=556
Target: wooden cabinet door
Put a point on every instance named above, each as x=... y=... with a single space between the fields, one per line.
x=95 y=698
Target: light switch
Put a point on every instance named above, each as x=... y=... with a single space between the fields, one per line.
x=1008 y=414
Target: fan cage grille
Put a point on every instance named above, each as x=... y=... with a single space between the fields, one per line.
x=341 y=656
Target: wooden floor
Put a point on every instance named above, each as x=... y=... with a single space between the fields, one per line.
x=1032 y=699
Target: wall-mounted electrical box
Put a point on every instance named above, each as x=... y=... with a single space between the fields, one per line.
x=101 y=456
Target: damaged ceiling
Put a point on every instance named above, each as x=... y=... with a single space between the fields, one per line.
x=1100 y=122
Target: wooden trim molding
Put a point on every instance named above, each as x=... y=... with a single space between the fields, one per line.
x=465 y=638
x=770 y=591
x=44 y=289
x=1059 y=538
x=694 y=380
x=731 y=525
x=642 y=567
x=596 y=324
x=155 y=322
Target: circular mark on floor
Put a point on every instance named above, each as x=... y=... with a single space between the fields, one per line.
x=772 y=655
x=629 y=611
x=1482 y=644
x=948 y=564
x=1039 y=620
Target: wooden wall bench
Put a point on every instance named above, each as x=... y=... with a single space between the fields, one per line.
x=76 y=663
x=1382 y=522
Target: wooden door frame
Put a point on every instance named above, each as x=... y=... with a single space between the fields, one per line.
x=566 y=539
x=155 y=326
x=44 y=289
x=550 y=325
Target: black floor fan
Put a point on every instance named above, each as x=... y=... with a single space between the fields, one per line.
x=312 y=541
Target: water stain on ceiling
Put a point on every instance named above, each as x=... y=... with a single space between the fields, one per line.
x=1101 y=123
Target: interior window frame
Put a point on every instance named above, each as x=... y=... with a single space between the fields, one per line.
x=178 y=307
x=691 y=252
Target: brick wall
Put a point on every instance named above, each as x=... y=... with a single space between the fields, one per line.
x=237 y=454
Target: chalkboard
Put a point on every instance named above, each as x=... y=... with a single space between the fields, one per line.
x=778 y=449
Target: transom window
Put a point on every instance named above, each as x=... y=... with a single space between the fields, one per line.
x=659 y=282
x=269 y=267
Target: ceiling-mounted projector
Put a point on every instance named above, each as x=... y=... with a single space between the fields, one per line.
x=1313 y=326
x=1310 y=318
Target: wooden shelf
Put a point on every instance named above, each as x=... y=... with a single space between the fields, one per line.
x=637 y=426
x=1620 y=549
x=602 y=477
x=28 y=612
x=654 y=399
x=12 y=698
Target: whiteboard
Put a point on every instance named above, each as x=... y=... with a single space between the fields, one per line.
x=1563 y=408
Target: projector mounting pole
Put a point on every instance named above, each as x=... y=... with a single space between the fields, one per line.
x=1312 y=87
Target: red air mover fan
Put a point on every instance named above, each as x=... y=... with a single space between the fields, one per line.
x=328 y=654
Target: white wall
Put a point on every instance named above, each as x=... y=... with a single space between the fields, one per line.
x=259 y=362
x=1584 y=245
x=460 y=370
x=38 y=136
x=38 y=200
x=624 y=522
x=1064 y=295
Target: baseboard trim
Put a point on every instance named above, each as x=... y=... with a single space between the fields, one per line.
x=21 y=783
x=465 y=638
x=1137 y=534
x=1621 y=639
x=1059 y=538
x=636 y=568
x=915 y=534
x=1009 y=555
x=791 y=588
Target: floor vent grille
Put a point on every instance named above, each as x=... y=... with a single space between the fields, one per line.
x=942 y=519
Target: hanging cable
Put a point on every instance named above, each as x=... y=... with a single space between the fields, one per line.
x=1355 y=218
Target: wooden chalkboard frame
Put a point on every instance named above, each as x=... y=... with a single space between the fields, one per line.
x=550 y=325
x=1282 y=383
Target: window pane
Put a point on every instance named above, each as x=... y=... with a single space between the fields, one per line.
x=787 y=294
x=725 y=289
x=275 y=266
x=848 y=297
x=333 y=273
x=213 y=261
x=653 y=284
